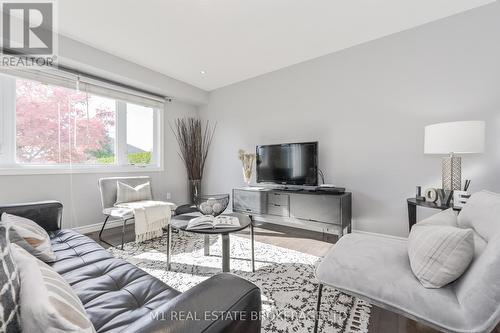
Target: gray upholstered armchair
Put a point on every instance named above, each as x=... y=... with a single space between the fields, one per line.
x=377 y=269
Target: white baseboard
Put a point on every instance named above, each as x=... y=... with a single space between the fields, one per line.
x=379 y=235
x=86 y=229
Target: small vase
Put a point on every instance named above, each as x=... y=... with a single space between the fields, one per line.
x=194 y=189
x=247 y=175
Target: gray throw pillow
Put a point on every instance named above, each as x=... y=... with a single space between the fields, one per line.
x=9 y=280
x=439 y=254
x=127 y=193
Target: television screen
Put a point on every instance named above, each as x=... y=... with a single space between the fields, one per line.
x=288 y=164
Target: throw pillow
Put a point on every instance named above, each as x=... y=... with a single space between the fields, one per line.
x=48 y=304
x=9 y=280
x=439 y=254
x=481 y=213
x=29 y=235
x=446 y=217
x=127 y=193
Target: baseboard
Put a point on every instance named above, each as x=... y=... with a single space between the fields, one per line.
x=379 y=235
x=86 y=229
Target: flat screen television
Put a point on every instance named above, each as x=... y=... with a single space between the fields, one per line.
x=288 y=164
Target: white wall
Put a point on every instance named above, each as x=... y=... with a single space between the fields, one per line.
x=90 y=60
x=79 y=192
x=367 y=106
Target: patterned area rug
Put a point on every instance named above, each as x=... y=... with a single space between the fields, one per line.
x=285 y=277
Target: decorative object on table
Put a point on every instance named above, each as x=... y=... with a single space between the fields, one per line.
x=460 y=137
x=467 y=184
x=418 y=194
x=194 y=138
x=211 y=222
x=213 y=204
x=445 y=197
x=247 y=161
x=460 y=198
x=431 y=195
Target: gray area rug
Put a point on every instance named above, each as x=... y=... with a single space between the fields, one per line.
x=285 y=277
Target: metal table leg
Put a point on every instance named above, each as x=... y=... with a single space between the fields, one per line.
x=169 y=245
x=206 y=250
x=252 y=244
x=225 y=253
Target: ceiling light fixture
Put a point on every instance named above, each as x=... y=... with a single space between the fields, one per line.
x=203 y=72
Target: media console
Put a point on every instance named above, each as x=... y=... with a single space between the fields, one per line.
x=312 y=210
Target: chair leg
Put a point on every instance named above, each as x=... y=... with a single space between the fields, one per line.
x=123 y=232
x=318 y=306
x=102 y=229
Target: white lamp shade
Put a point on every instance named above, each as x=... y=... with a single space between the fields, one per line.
x=459 y=137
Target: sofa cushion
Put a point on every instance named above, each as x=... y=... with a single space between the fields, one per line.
x=9 y=280
x=29 y=235
x=48 y=304
x=482 y=213
x=439 y=254
x=114 y=292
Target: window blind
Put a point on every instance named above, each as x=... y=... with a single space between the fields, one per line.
x=88 y=84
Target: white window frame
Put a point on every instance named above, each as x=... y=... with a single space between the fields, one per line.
x=9 y=166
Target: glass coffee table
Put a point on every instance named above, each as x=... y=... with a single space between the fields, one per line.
x=179 y=222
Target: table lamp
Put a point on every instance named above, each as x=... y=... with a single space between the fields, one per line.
x=459 y=137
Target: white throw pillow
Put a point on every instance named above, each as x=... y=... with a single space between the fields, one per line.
x=29 y=235
x=127 y=193
x=48 y=304
x=439 y=254
x=482 y=213
x=446 y=217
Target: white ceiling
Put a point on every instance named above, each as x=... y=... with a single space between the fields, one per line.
x=233 y=40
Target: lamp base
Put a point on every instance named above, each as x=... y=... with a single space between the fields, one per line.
x=452 y=173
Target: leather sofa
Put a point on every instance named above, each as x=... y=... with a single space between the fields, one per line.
x=120 y=297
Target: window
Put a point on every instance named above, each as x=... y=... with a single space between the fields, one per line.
x=50 y=126
x=140 y=134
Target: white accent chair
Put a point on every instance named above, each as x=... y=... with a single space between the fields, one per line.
x=377 y=269
x=107 y=189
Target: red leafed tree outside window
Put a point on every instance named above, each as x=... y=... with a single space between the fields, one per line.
x=56 y=125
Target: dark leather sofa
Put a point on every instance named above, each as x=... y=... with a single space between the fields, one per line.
x=119 y=297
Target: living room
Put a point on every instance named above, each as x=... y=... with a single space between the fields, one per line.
x=323 y=129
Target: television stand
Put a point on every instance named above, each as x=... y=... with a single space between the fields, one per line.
x=312 y=210
x=290 y=189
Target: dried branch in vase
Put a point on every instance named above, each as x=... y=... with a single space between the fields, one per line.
x=247 y=161
x=194 y=138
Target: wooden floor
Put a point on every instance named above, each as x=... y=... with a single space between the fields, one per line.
x=381 y=321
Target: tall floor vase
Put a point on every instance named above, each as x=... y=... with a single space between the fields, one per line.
x=194 y=188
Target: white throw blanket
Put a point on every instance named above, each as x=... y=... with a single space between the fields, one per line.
x=150 y=217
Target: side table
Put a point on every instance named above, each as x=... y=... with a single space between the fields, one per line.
x=414 y=203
